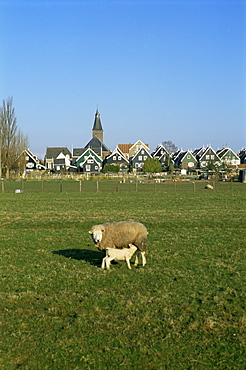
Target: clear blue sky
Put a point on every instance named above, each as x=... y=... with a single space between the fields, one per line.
x=156 y=70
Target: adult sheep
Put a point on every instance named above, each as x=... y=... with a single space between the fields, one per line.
x=120 y=235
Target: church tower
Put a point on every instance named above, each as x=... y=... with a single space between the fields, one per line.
x=97 y=130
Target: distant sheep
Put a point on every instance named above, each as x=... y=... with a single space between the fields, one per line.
x=124 y=254
x=208 y=186
x=121 y=235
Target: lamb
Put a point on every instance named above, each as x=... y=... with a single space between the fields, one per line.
x=208 y=186
x=124 y=254
x=120 y=235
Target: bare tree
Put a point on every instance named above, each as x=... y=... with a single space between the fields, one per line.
x=12 y=140
x=169 y=146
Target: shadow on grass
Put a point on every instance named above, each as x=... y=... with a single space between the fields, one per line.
x=93 y=257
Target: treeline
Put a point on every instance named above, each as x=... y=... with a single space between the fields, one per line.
x=12 y=141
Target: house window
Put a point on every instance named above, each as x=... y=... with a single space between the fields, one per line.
x=145 y=157
x=58 y=168
x=142 y=151
x=114 y=158
x=96 y=167
x=90 y=161
x=188 y=156
x=140 y=157
x=212 y=156
x=207 y=156
x=49 y=165
x=30 y=165
x=88 y=168
x=119 y=158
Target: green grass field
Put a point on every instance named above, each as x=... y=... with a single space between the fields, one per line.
x=184 y=310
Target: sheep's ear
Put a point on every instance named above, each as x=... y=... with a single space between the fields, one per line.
x=90 y=232
x=102 y=230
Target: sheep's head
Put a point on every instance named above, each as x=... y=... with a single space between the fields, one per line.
x=96 y=233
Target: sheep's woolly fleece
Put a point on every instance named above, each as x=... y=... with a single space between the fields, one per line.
x=120 y=235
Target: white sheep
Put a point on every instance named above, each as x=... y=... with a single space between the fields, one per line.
x=124 y=254
x=208 y=186
x=120 y=235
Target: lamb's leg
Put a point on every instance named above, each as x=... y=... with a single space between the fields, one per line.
x=108 y=260
x=128 y=263
x=103 y=262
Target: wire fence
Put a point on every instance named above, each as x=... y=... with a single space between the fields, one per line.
x=113 y=186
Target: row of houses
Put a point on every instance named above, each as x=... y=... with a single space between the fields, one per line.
x=86 y=160
x=95 y=155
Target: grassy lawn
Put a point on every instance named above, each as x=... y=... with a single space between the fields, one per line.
x=184 y=310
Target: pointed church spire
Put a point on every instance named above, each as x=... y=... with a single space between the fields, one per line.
x=97 y=130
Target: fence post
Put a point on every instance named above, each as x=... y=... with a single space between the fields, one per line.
x=117 y=189
x=60 y=186
x=2 y=186
x=136 y=185
x=194 y=186
x=80 y=186
x=97 y=186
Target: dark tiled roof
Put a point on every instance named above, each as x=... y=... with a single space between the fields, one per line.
x=96 y=144
x=97 y=122
x=78 y=151
x=53 y=152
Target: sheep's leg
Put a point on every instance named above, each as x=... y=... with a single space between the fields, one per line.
x=136 y=259
x=143 y=258
x=103 y=262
